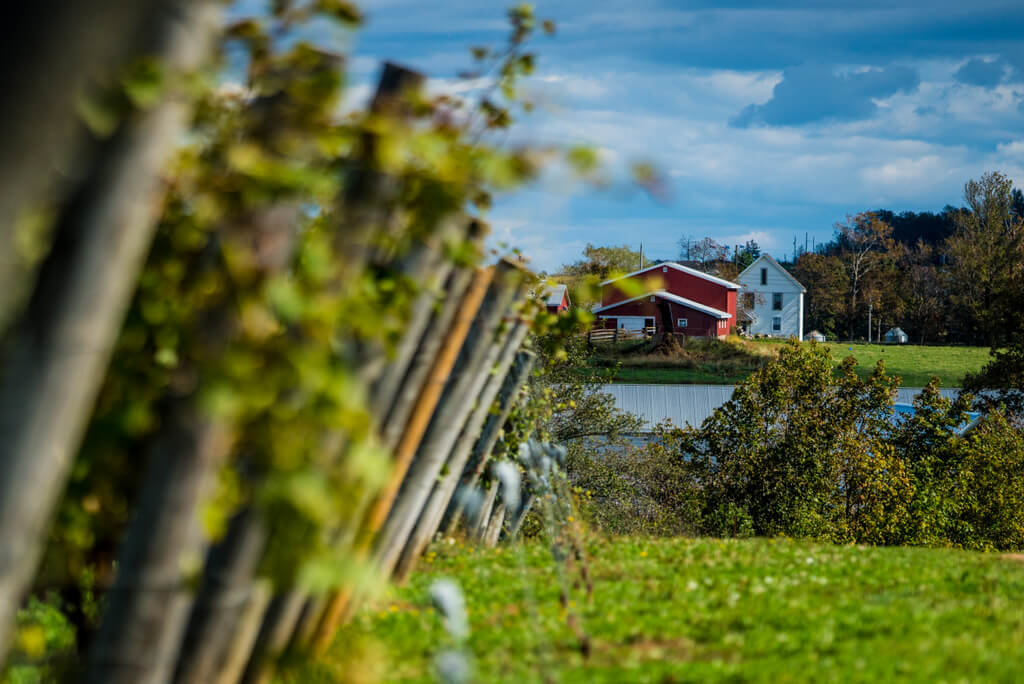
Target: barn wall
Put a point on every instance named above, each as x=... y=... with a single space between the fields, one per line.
x=699 y=324
x=678 y=283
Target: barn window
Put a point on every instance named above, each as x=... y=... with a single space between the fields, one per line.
x=777 y=324
x=681 y=322
x=764 y=276
x=776 y=301
x=652 y=298
x=664 y=269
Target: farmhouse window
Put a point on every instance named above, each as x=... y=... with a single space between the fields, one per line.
x=681 y=323
x=776 y=301
x=777 y=324
x=764 y=276
x=748 y=300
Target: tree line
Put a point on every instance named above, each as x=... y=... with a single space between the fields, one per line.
x=953 y=277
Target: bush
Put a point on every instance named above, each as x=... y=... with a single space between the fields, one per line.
x=804 y=452
x=631 y=488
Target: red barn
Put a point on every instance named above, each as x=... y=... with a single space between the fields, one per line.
x=556 y=299
x=669 y=297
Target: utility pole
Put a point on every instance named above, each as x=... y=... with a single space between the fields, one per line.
x=641 y=256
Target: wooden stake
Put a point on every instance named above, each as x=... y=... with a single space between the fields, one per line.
x=58 y=355
x=419 y=418
x=433 y=511
x=484 y=445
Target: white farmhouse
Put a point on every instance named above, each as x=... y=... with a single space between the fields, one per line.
x=773 y=298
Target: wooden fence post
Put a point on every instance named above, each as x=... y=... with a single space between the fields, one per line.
x=58 y=355
x=213 y=641
x=478 y=524
x=149 y=604
x=433 y=511
x=448 y=419
x=484 y=445
x=419 y=418
x=493 y=530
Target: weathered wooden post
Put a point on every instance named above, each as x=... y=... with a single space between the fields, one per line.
x=57 y=356
x=419 y=418
x=433 y=511
x=478 y=524
x=465 y=383
x=367 y=207
x=484 y=445
x=149 y=604
x=493 y=530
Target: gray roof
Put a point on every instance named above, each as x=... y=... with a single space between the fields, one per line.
x=692 y=404
x=553 y=296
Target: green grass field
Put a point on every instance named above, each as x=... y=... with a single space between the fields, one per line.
x=914 y=364
x=683 y=610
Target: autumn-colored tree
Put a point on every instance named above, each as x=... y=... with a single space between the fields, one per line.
x=604 y=261
x=827 y=282
x=866 y=242
x=986 y=259
x=922 y=291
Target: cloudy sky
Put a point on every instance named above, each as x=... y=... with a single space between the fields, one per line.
x=771 y=120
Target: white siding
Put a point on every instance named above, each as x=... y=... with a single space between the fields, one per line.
x=792 y=313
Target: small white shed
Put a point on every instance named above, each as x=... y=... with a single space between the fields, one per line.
x=814 y=336
x=896 y=336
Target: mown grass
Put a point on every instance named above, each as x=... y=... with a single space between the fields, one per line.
x=915 y=364
x=682 y=610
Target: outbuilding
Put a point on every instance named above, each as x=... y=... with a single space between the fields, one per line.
x=896 y=336
x=556 y=298
x=814 y=336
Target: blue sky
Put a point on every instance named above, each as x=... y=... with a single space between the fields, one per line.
x=770 y=120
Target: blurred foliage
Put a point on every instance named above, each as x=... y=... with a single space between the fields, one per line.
x=257 y=297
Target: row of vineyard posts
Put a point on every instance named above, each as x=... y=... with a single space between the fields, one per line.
x=415 y=371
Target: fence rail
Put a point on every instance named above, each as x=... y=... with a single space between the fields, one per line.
x=613 y=335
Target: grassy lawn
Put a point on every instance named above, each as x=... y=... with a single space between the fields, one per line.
x=914 y=364
x=682 y=610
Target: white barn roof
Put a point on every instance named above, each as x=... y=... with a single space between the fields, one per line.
x=679 y=267
x=683 y=301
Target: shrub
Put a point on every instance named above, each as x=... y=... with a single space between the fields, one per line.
x=804 y=452
x=636 y=488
